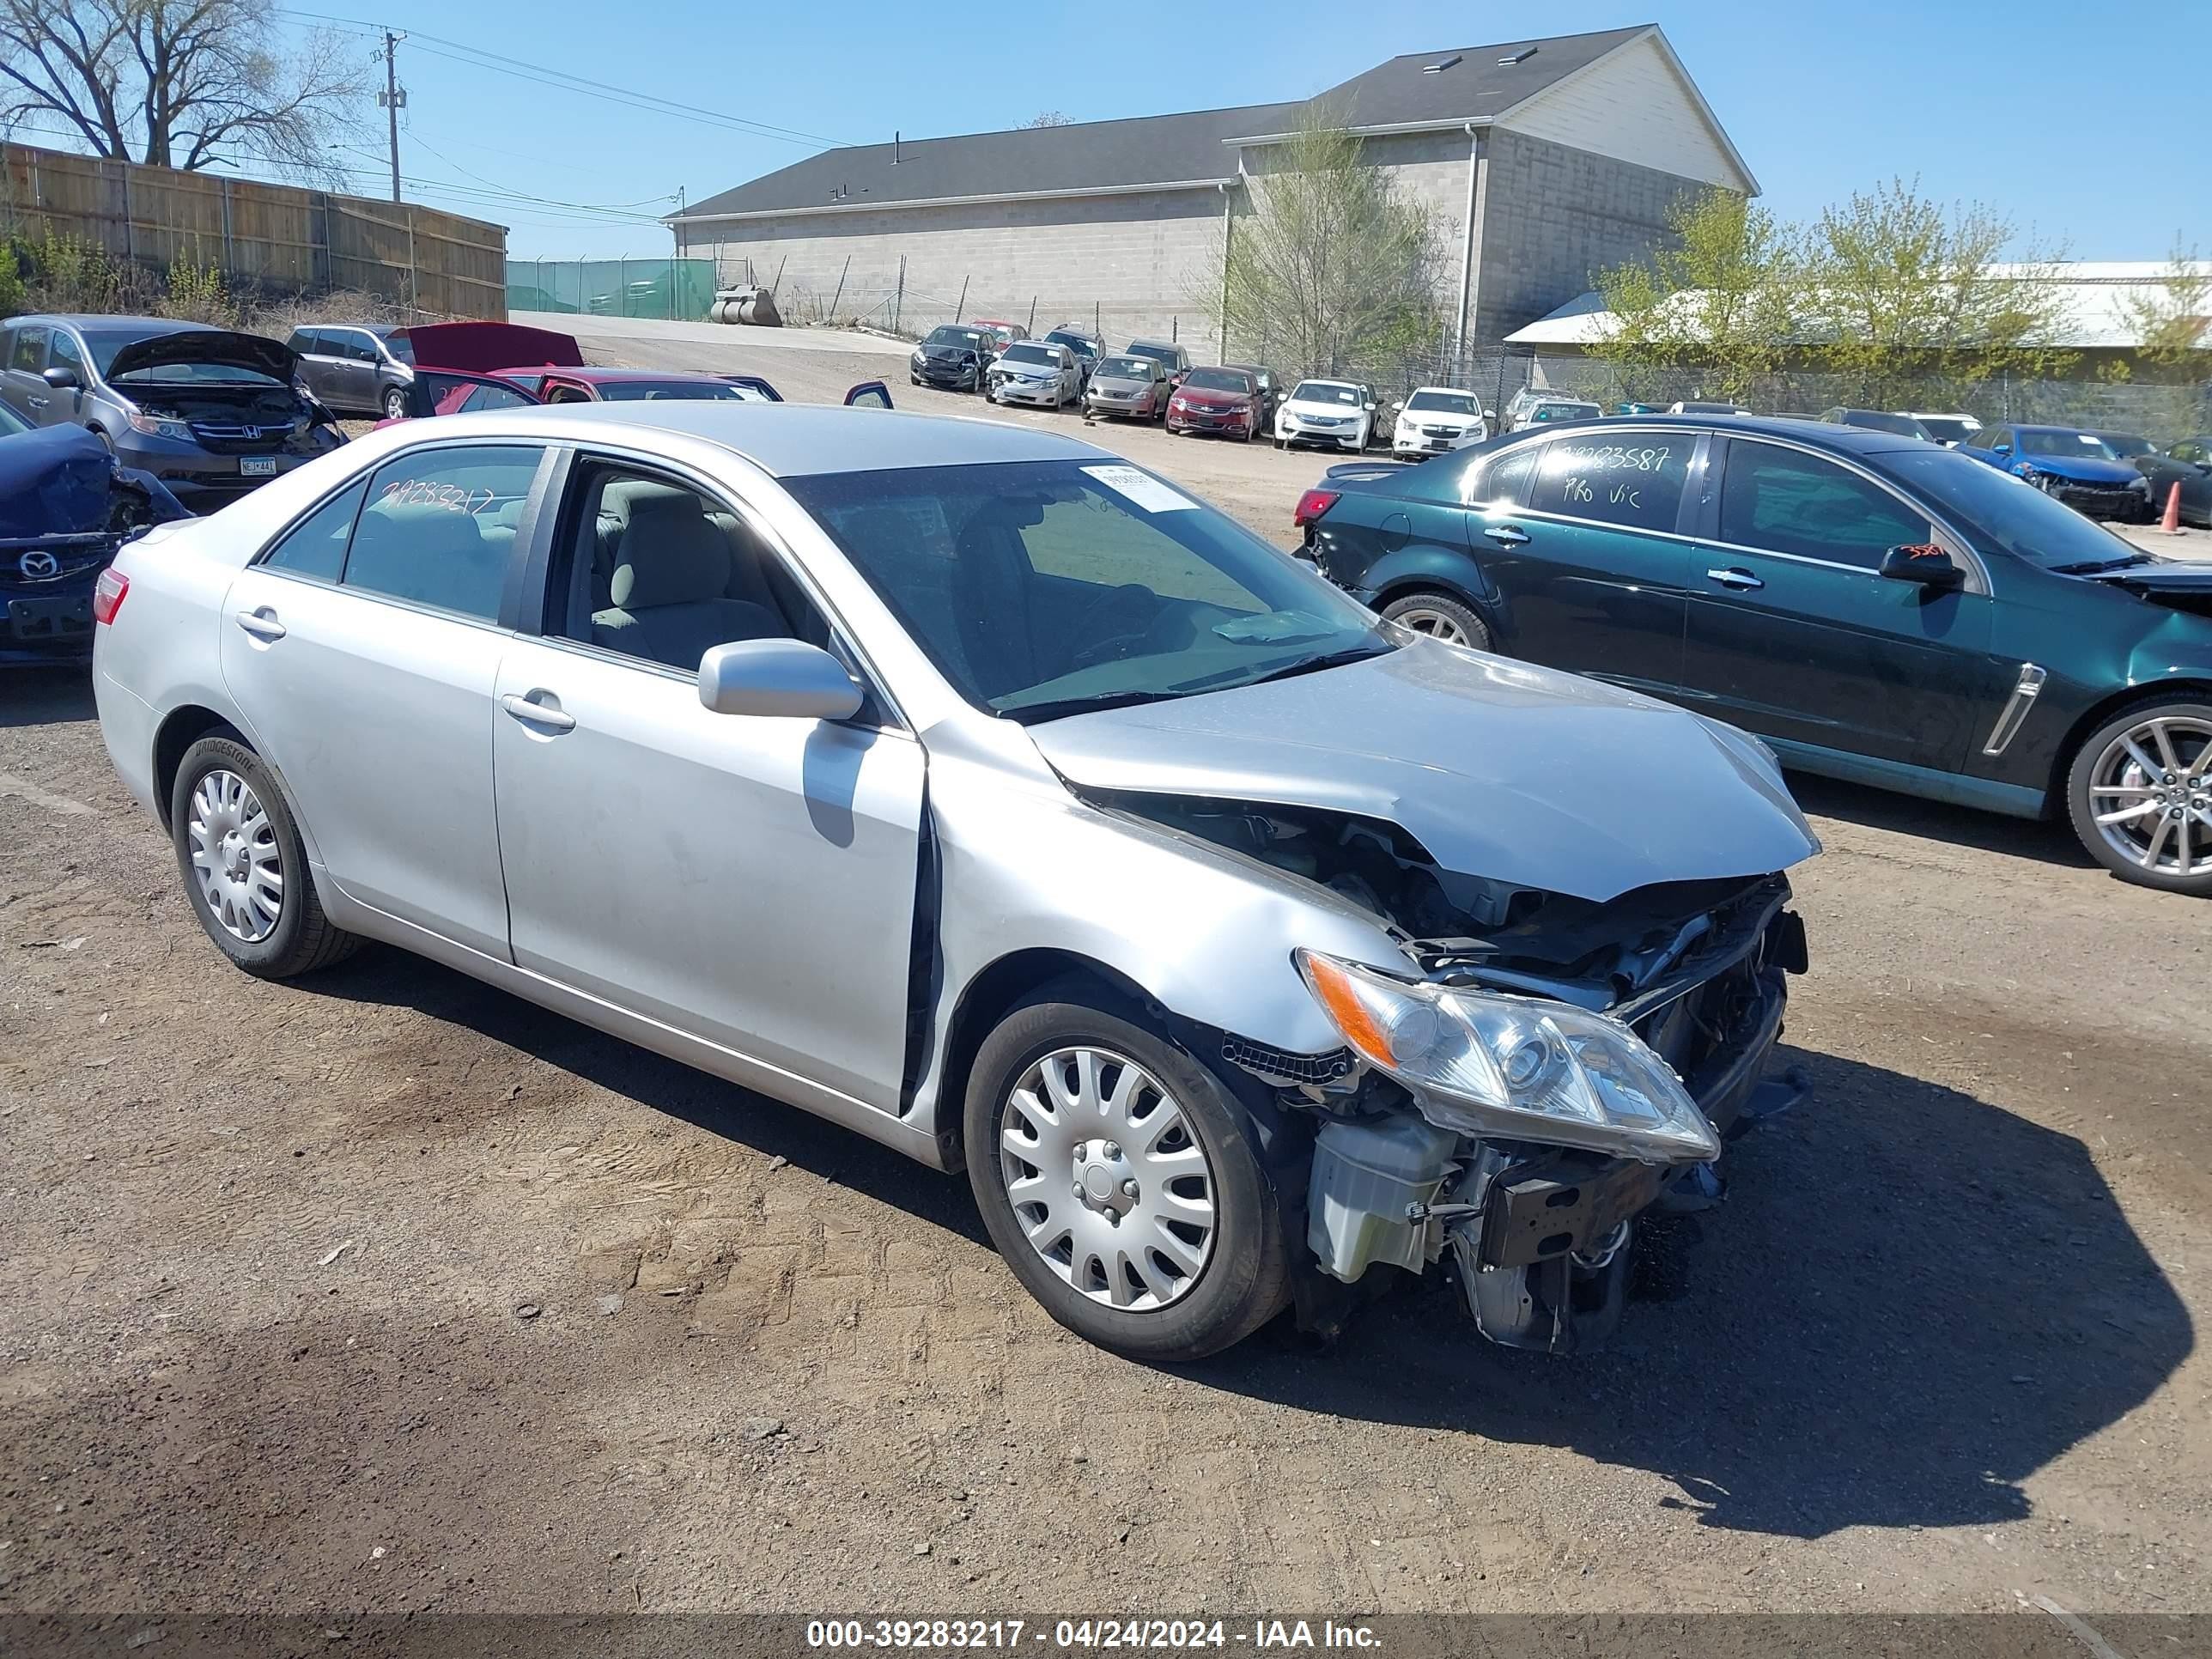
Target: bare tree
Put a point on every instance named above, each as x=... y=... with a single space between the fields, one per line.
x=1047 y=117
x=1334 y=265
x=180 y=83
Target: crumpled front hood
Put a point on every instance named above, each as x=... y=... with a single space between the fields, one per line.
x=2192 y=576
x=1501 y=771
x=2082 y=469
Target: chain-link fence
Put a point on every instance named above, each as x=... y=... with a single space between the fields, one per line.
x=677 y=290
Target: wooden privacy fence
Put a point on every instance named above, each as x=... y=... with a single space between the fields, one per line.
x=274 y=237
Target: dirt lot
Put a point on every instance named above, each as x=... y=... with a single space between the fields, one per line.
x=385 y=1291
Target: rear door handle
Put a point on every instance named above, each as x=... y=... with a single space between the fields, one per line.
x=262 y=623
x=537 y=714
x=1733 y=577
x=1506 y=536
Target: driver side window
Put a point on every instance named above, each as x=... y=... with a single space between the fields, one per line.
x=662 y=572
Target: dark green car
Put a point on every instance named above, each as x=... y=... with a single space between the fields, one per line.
x=1877 y=608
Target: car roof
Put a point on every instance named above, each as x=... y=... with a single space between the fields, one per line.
x=791 y=441
x=2044 y=426
x=147 y=327
x=1856 y=439
x=1456 y=390
x=594 y=375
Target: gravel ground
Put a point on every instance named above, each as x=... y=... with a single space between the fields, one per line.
x=383 y=1291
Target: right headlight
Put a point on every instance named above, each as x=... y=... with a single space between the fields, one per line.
x=1519 y=1068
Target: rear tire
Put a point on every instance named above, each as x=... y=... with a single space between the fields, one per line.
x=1230 y=1272
x=233 y=833
x=1441 y=617
x=2123 y=767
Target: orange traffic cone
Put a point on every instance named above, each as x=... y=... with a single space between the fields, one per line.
x=2171 y=523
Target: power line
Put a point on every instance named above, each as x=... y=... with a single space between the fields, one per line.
x=482 y=57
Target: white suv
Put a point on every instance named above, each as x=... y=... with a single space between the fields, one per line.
x=1436 y=418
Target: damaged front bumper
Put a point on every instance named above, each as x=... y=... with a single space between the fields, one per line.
x=1537 y=1235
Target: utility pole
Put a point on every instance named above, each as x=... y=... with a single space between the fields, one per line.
x=393 y=100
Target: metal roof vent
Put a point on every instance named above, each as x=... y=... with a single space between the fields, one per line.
x=1520 y=56
x=1440 y=65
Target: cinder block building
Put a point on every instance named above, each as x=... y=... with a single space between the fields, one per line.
x=1544 y=161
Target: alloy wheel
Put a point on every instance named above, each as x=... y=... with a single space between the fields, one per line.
x=235 y=857
x=2150 y=795
x=1107 y=1179
x=1437 y=625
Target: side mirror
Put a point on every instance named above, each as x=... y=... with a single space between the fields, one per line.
x=1924 y=563
x=869 y=394
x=62 y=379
x=2000 y=449
x=785 y=678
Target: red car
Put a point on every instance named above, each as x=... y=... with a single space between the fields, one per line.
x=1227 y=401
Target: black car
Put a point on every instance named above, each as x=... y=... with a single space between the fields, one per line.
x=1876 y=608
x=66 y=508
x=357 y=368
x=1879 y=420
x=2186 y=464
x=953 y=356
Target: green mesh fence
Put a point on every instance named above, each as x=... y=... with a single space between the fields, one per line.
x=676 y=289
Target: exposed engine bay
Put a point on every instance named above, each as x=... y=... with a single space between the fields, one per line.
x=1537 y=1234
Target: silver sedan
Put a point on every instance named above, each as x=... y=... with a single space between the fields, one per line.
x=989 y=795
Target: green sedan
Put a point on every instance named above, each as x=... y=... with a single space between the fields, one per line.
x=1877 y=608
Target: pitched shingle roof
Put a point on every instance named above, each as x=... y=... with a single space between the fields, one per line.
x=1152 y=150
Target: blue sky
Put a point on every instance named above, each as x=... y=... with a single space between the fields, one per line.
x=2068 y=117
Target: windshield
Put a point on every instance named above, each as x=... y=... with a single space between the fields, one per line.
x=1040 y=588
x=1165 y=355
x=1903 y=425
x=1126 y=368
x=1218 y=380
x=1445 y=403
x=401 y=347
x=967 y=338
x=1563 y=411
x=2084 y=446
x=1948 y=429
x=1074 y=343
x=2128 y=445
x=632 y=392
x=1327 y=392
x=2005 y=511
x=1030 y=354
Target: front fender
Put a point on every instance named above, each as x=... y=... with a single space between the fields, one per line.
x=1027 y=867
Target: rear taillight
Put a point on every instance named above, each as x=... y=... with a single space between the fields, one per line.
x=108 y=595
x=1312 y=505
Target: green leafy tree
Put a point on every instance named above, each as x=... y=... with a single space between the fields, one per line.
x=1722 y=299
x=2172 y=319
x=1909 y=291
x=1332 y=266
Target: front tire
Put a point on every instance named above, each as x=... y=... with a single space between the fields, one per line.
x=245 y=866
x=1113 y=1174
x=2139 y=793
x=395 y=404
x=1441 y=617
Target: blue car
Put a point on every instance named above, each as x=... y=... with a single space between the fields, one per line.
x=2080 y=468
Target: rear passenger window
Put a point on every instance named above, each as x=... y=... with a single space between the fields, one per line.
x=1634 y=480
x=316 y=546
x=30 y=350
x=439 y=527
x=1783 y=501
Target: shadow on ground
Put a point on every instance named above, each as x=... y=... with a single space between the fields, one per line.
x=46 y=696
x=1912 y=1300
x=2046 y=840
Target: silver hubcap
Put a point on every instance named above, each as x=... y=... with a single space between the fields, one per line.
x=1434 y=623
x=2151 y=793
x=1108 y=1182
x=235 y=858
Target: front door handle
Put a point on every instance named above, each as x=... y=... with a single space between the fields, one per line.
x=1506 y=536
x=37 y=402
x=537 y=714
x=1734 y=577
x=262 y=623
